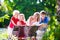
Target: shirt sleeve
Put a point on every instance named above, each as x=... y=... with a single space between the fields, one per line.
x=12 y=18
x=46 y=20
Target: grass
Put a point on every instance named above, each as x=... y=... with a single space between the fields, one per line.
x=3 y=34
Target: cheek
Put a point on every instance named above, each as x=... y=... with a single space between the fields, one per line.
x=22 y=18
x=16 y=15
x=42 y=17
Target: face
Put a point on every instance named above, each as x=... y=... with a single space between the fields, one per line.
x=31 y=18
x=35 y=16
x=43 y=16
x=16 y=15
x=21 y=17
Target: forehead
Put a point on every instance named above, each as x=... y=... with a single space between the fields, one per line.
x=16 y=13
x=21 y=15
x=43 y=14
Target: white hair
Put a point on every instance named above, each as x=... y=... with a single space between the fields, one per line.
x=15 y=11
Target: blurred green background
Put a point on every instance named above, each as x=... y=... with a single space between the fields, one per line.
x=28 y=7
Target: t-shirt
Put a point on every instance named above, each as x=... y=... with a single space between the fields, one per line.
x=22 y=23
x=44 y=21
x=36 y=23
x=15 y=20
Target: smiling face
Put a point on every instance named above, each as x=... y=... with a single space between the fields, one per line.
x=43 y=15
x=31 y=18
x=36 y=17
x=16 y=15
x=21 y=17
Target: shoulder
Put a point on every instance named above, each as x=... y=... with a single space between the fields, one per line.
x=12 y=18
x=47 y=18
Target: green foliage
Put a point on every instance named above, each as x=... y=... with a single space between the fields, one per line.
x=3 y=35
x=28 y=7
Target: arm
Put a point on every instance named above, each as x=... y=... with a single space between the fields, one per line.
x=13 y=22
x=18 y=23
x=43 y=25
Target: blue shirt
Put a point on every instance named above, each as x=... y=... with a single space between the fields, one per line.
x=44 y=21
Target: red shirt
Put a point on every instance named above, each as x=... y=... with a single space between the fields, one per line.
x=22 y=23
x=15 y=20
x=22 y=34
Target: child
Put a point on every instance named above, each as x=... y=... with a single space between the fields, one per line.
x=43 y=25
x=13 y=22
x=44 y=20
x=33 y=21
x=30 y=21
x=22 y=24
x=22 y=21
x=36 y=19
